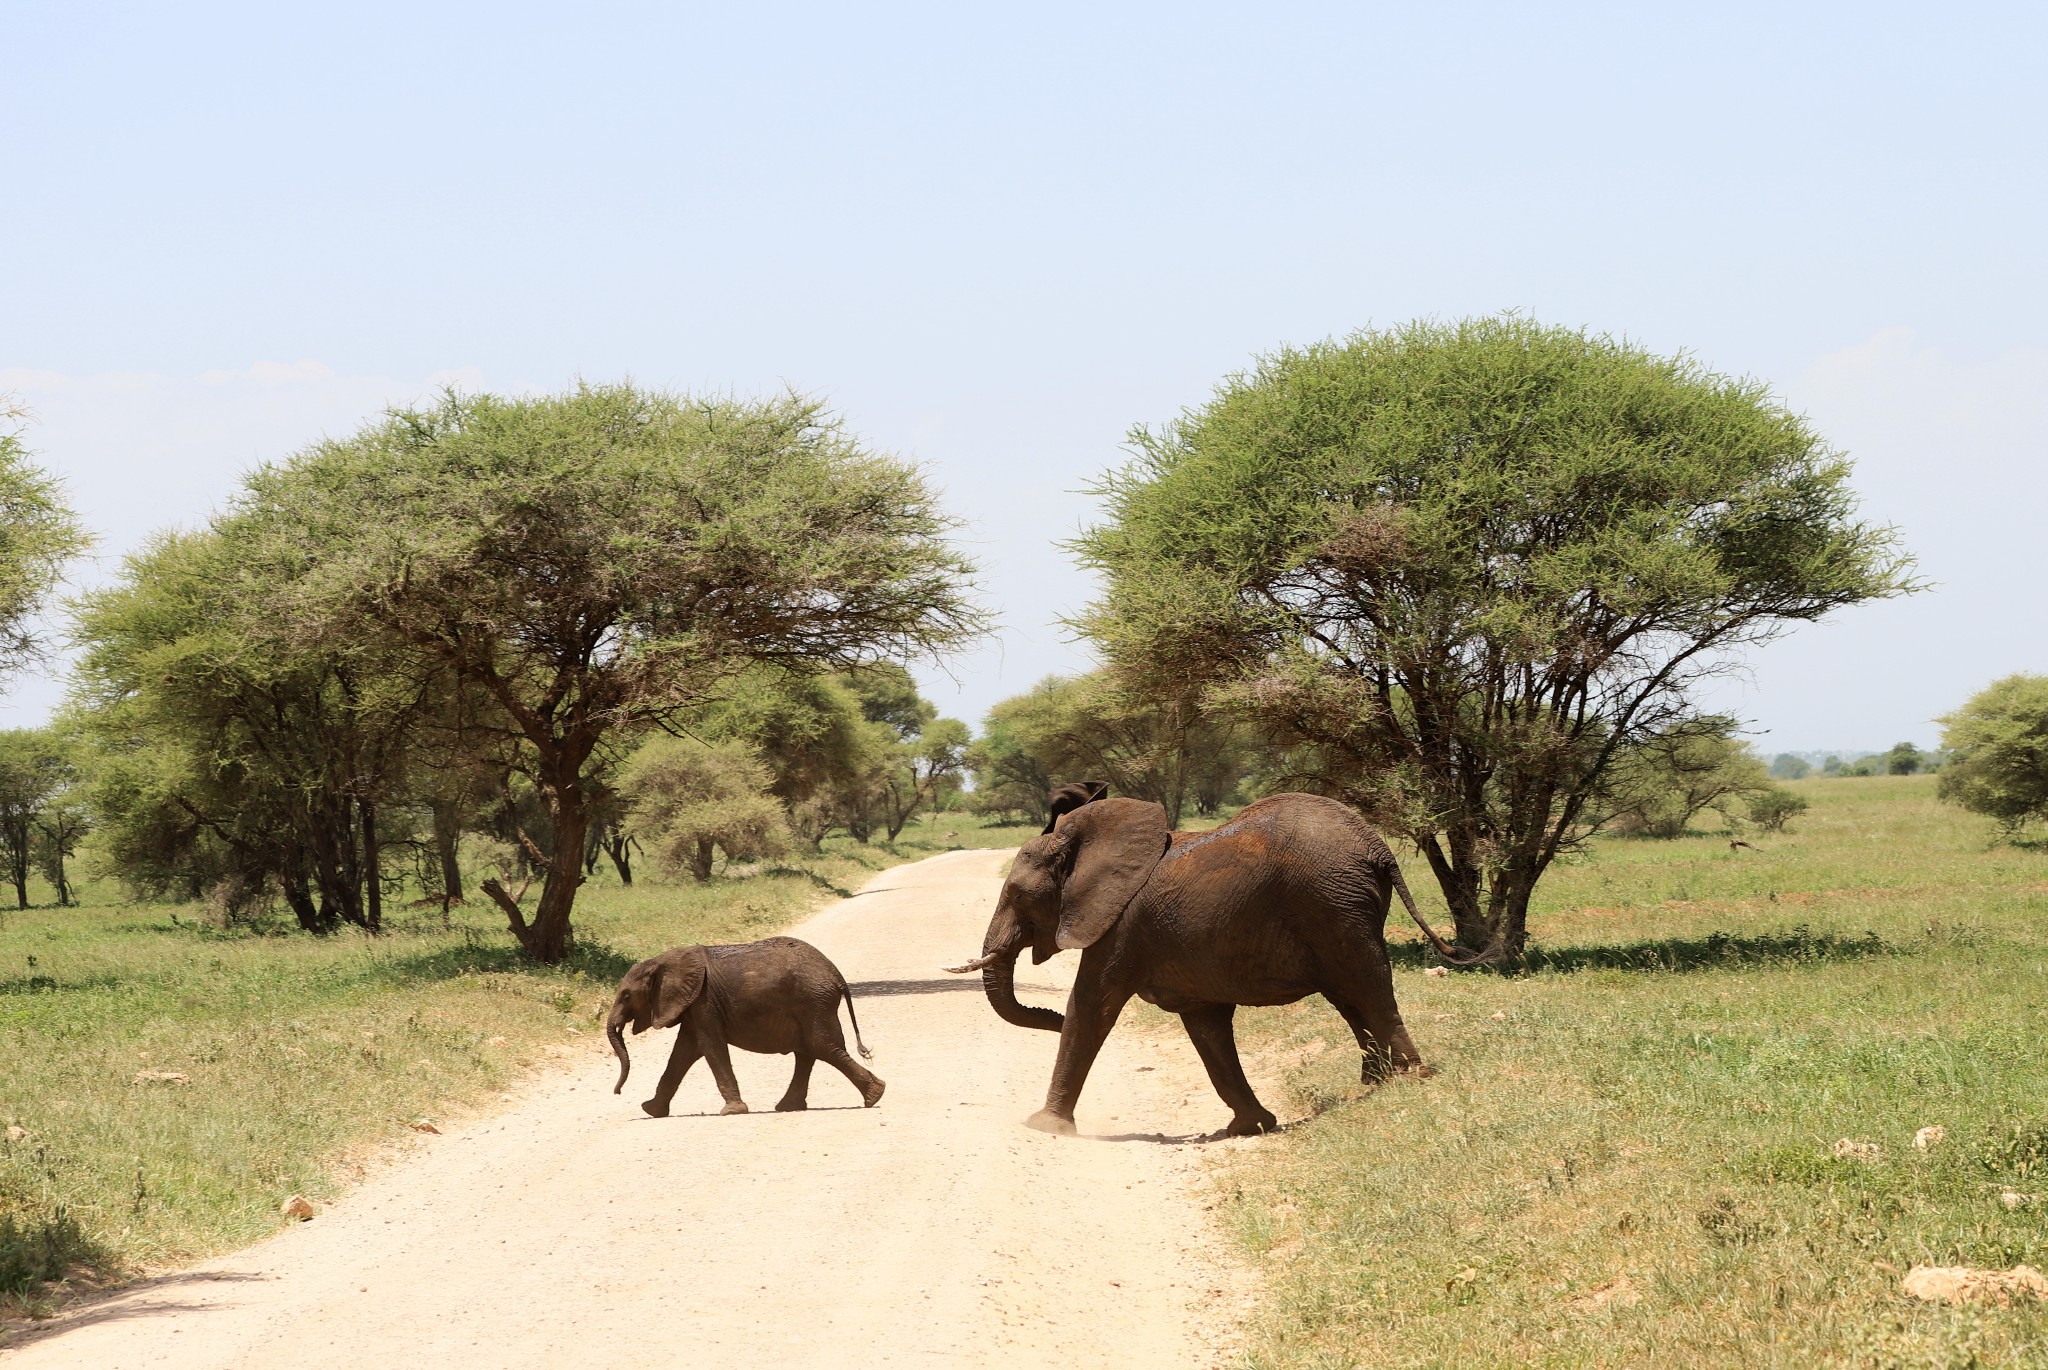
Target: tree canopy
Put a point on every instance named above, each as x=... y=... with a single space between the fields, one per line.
x=1091 y=726
x=35 y=772
x=39 y=534
x=1999 y=752
x=1656 y=787
x=695 y=798
x=599 y=561
x=1464 y=566
x=229 y=759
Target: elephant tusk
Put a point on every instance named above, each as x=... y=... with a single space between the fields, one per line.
x=978 y=963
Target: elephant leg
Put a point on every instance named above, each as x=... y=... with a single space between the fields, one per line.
x=869 y=1084
x=1092 y=1011
x=679 y=1062
x=797 y=1097
x=721 y=1070
x=1367 y=1004
x=1209 y=1029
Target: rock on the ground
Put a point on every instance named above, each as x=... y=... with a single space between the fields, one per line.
x=1927 y=1138
x=296 y=1208
x=1966 y=1284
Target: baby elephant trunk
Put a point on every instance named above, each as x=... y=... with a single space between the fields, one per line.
x=614 y=1030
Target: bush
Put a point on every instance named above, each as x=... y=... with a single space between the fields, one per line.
x=691 y=798
x=1999 y=741
x=1772 y=809
x=1659 y=786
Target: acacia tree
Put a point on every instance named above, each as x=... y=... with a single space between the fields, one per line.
x=808 y=728
x=38 y=534
x=226 y=756
x=1464 y=566
x=596 y=562
x=1165 y=748
x=1999 y=746
x=34 y=772
x=693 y=798
x=1657 y=787
x=914 y=755
x=912 y=772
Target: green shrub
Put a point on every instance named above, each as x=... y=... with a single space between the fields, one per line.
x=1772 y=809
x=2000 y=745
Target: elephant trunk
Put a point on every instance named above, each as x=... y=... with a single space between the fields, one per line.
x=999 y=982
x=614 y=1030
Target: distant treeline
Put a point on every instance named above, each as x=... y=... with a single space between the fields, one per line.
x=1469 y=577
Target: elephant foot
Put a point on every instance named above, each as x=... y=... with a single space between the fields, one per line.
x=1045 y=1120
x=733 y=1106
x=655 y=1108
x=872 y=1095
x=1252 y=1124
x=792 y=1105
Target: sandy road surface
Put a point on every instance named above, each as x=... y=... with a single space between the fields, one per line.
x=933 y=1229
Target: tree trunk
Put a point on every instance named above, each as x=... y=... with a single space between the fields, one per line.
x=333 y=873
x=700 y=860
x=1458 y=878
x=298 y=896
x=17 y=860
x=373 y=875
x=618 y=846
x=548 y=937
x=447 y=835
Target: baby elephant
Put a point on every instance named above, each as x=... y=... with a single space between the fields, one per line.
x=776 y=996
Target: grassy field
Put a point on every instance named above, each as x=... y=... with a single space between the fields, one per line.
x=301 y=1053
x=1629 y=1155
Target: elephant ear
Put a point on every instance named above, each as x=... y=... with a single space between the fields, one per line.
x=1062 y=800
x=678 y=982
x=1115 y=844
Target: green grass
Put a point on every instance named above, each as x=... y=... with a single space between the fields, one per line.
x=301 y=1052
x=1627 y=1156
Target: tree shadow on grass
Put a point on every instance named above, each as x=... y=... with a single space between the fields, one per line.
x=1798 y=946
x=816 y=879
x=50 y=984
x=478 y=956
x=40 y=1248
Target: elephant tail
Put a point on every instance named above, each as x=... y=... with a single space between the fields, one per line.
x=1443 y=948
x=846 y=993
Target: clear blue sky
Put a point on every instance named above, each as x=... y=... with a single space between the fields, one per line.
x=996 y=238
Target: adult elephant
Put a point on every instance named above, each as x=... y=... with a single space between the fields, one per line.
x=1286 y=900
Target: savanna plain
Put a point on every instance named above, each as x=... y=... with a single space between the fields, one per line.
x=1632 y=1152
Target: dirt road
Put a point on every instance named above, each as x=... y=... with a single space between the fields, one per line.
x=933 y=1229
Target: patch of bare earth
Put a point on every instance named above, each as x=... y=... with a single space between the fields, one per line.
x=570 y=1230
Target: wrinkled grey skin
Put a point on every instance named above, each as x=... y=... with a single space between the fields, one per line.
x=1288 y=899
x=778 y=996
